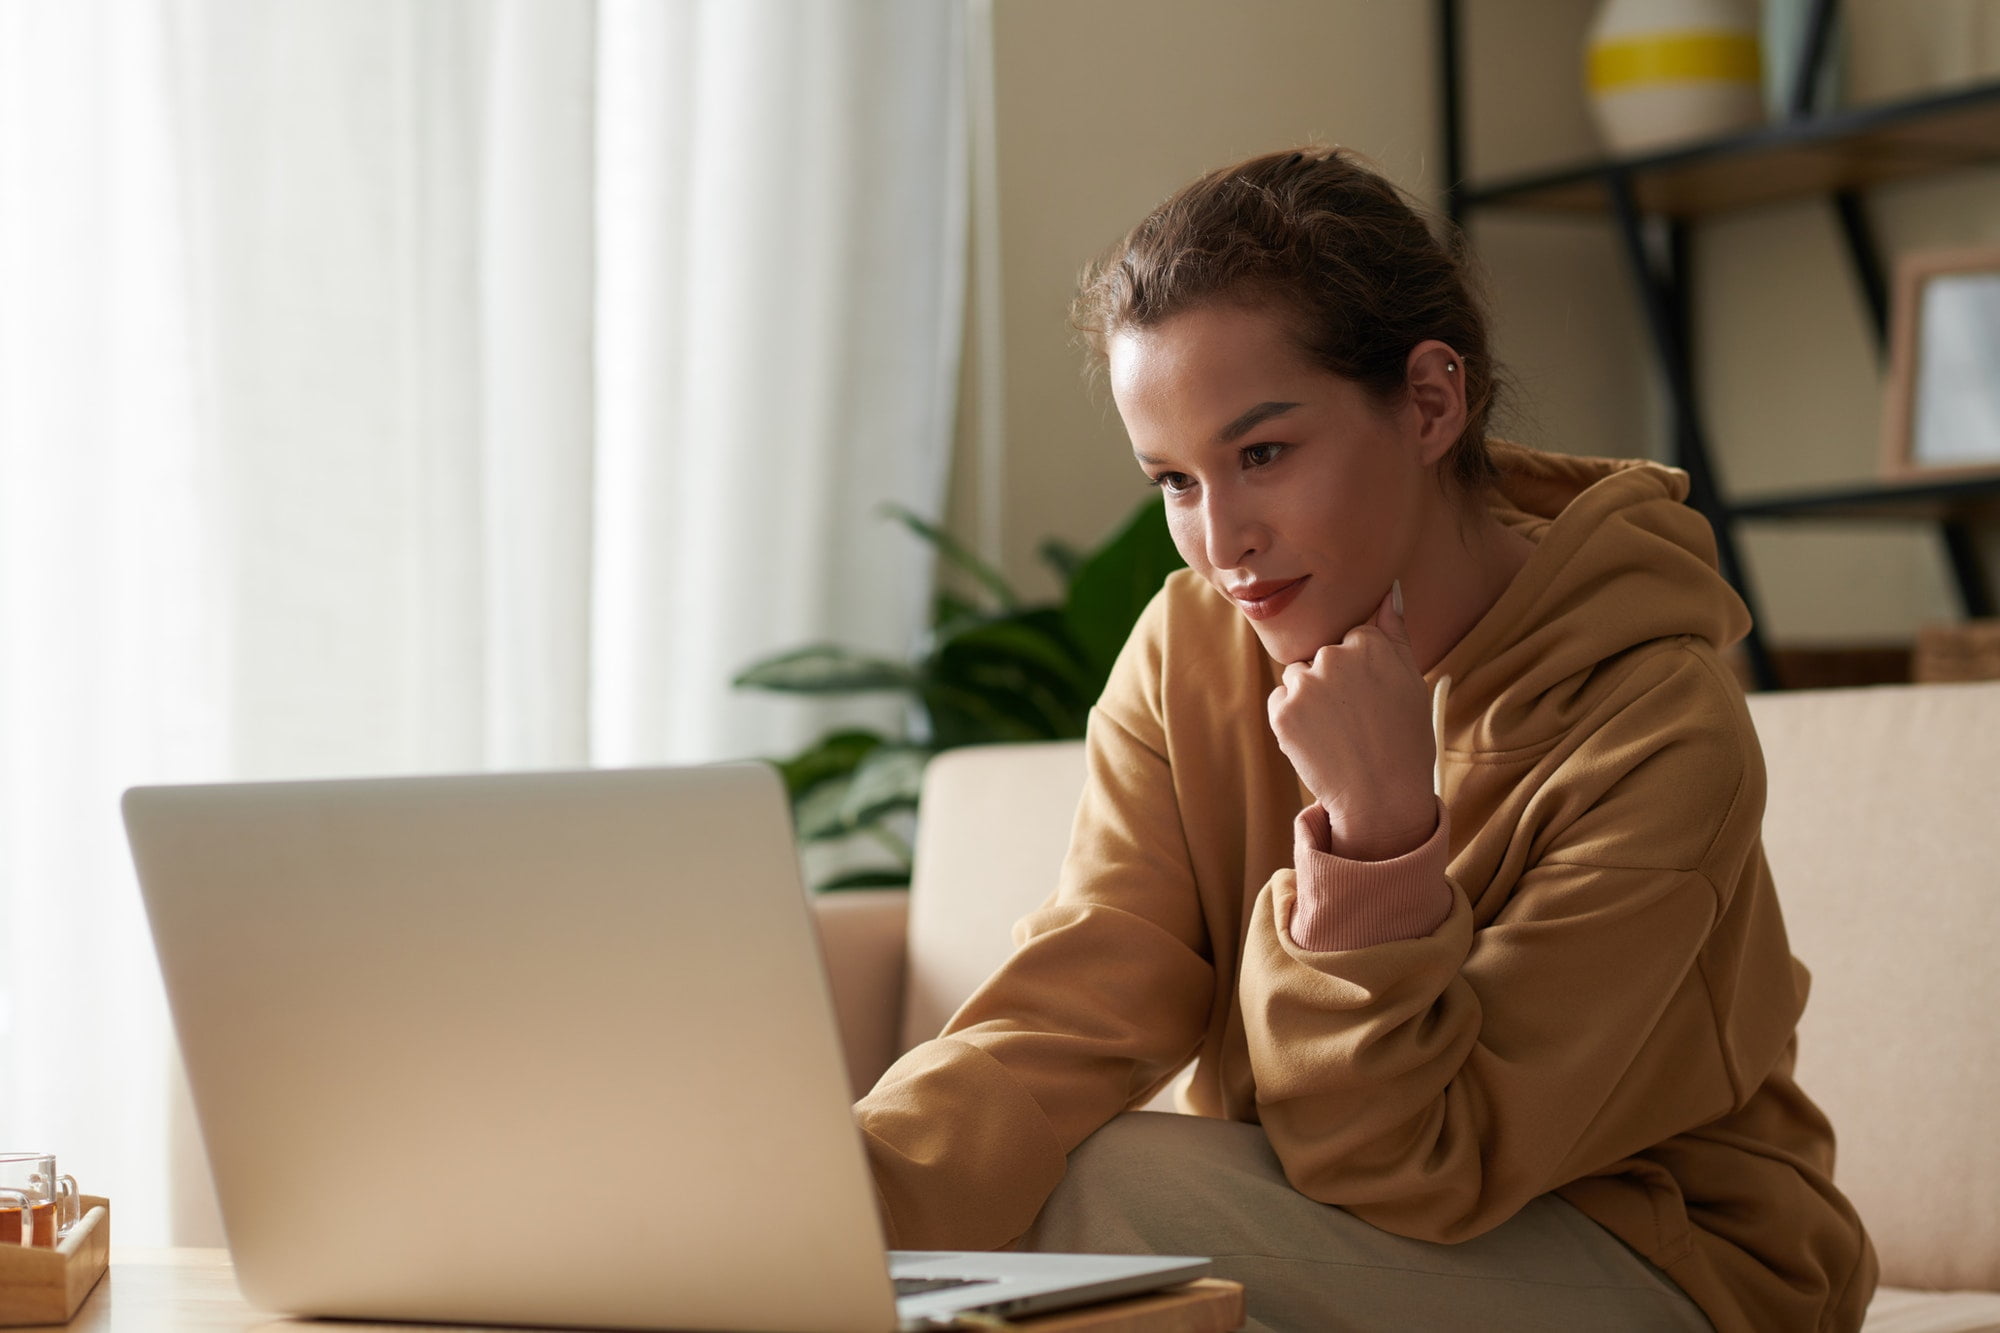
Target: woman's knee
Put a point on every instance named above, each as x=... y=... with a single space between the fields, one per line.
x=1156 y=1182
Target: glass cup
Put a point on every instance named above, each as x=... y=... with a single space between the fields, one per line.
x=37 y=1206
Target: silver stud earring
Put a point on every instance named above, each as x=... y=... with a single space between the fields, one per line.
x=1451 y=365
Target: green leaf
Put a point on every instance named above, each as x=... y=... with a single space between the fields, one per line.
x=1026 y=674
x=826 y=668
x=889 y=779
x=820 y=814
x=951 y=549
x=1023 y=673
x=832 y=755
x=1112 y=587
x=968 y=713
x=1036 y=639
x=951 y=613
x=1060 y=556
x=866 y=879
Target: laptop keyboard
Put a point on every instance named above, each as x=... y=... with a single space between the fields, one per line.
x=917 y=1286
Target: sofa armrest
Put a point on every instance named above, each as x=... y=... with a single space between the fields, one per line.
x=862 y=933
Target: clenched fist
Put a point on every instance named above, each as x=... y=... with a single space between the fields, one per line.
x=1356 y=724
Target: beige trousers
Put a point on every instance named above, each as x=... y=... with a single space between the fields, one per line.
x=1152 y=1183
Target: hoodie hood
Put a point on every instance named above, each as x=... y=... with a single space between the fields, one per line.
x=1620 y=560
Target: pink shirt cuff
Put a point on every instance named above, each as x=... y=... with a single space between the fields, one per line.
x=1345 y=904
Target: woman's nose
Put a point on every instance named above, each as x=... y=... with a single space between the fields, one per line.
x=1231 y=533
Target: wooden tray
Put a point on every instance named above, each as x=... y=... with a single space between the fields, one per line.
x=46 y=1286
x=1208 y=1305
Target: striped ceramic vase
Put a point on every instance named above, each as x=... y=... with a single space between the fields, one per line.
x=1664 y=71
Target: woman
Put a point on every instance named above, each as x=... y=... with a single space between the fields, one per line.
x=1422 y=814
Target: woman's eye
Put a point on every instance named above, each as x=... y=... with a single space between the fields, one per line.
x=1261 y=455
x=1173 y=483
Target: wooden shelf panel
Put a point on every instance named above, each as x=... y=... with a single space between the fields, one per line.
x=1958 y=500
x=1844 y=150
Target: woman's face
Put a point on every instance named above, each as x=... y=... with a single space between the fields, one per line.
x=1288 y=488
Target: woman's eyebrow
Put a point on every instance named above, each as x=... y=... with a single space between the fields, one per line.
x=1250 y=420
x=1236 y=429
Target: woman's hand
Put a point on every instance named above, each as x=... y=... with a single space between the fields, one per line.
x=1356 y=724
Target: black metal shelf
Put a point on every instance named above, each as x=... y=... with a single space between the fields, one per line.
x=1806 y=158
x=1961 y=501
x=1833 y=156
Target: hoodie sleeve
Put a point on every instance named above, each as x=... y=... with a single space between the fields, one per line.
x=1105 y=997
x=1342 y=904
x=1433 y=1085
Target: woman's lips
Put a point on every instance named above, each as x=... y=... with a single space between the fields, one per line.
x=1263 y=608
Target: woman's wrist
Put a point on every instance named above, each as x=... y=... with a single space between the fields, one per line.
x=1351 y=902
x=1382 y=838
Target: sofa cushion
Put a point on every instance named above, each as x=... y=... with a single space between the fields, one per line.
x=1900 y=1310
x=995 y=827
x=1883 y=832
x=861 y=934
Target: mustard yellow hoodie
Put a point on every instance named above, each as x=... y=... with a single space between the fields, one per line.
x=1607 y=1010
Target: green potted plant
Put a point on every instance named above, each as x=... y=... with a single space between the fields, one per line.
x=989 y=669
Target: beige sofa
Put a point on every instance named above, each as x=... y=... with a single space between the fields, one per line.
x=1883 y=830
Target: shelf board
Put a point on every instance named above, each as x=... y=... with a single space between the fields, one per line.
x=1958 y=500
x=1797 y=159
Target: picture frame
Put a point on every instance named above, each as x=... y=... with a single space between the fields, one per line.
x=1941 y=410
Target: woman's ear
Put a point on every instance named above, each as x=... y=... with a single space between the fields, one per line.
x=1436 y=379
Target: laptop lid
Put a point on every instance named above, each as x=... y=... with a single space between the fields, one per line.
x=547 y=1048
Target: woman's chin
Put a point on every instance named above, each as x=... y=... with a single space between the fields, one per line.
x=1284 y=648
x=1293 y=638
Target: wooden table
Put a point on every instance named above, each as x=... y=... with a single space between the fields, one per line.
x=194 y=1291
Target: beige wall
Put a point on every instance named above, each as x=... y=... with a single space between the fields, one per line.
x=1101 y=107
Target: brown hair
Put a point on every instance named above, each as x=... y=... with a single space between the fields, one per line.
x=1345 y=255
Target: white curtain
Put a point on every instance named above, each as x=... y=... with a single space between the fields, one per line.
x=392 y=387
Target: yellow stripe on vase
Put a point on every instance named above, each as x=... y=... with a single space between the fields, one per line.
x=1674 y=57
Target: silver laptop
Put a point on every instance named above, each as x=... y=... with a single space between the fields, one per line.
x=550 y=1049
